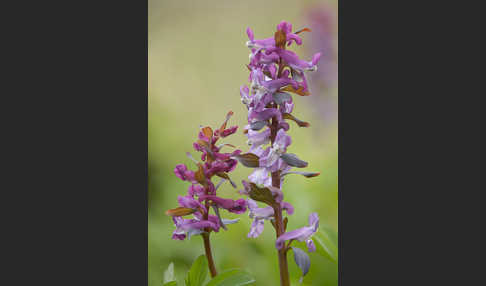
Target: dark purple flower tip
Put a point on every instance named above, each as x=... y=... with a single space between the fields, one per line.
x=231 y=165
x=197 y=147
x=202 y=136
x=229 y=131
x=176 y=236
x=216 y=167
x=183 y=173
x=179 y=171
x=239 y=206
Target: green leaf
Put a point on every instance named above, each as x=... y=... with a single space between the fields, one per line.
x=233 y=277
x=198 y=272
x=169 y=273
x=171 y=283
x=326 y=243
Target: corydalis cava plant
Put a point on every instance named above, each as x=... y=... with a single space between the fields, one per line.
x=275 y=74
x=201 y=195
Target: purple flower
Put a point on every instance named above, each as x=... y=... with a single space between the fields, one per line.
x=255 y=139
x=271 y=156
x=301 y=234
x=257 y=227
x=259 y=215
x=245 y=96
x=258 y=57
x=274 y=71
x=191 y=227
x=270 y=42
x=227 y=132
x=183 y=173
x=264 y=115
x=295 y=62
x=189 y=202
x=260 y=176
x=202 y=188
x=235 y=206
x=221 y=166
x=195 y=190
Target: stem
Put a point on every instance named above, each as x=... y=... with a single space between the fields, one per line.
x=209 y=255
x=282 y=253
x=207 y=243
x=279 y=226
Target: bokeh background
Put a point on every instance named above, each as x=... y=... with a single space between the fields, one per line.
x=197 y=57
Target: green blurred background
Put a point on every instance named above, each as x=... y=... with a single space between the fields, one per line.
x=197 y=58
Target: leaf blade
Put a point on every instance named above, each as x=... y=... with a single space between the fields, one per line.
x=198 y=272
x=325 y=242
x=233 y=277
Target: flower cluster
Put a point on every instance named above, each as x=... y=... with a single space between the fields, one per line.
x=275 y=74
x=201 y=194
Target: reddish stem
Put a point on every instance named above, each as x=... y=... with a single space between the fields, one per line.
x=207 y=243
x=277 y=209
x=209 y=255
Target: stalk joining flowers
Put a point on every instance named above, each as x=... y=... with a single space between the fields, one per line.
x=275 y=74
x=201 y=194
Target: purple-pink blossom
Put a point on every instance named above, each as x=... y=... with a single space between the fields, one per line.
x=276 y=76
x=201 y=194
x=259 y=215
x=301 y=234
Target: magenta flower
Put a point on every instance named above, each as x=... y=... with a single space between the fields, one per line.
x=189 y=202
x=294 y=62
x=189 y=227
x=183 y=173
x=201 y=194
x=195 y=190
x=235 y=206
x=301 y=234
x=270 y=42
